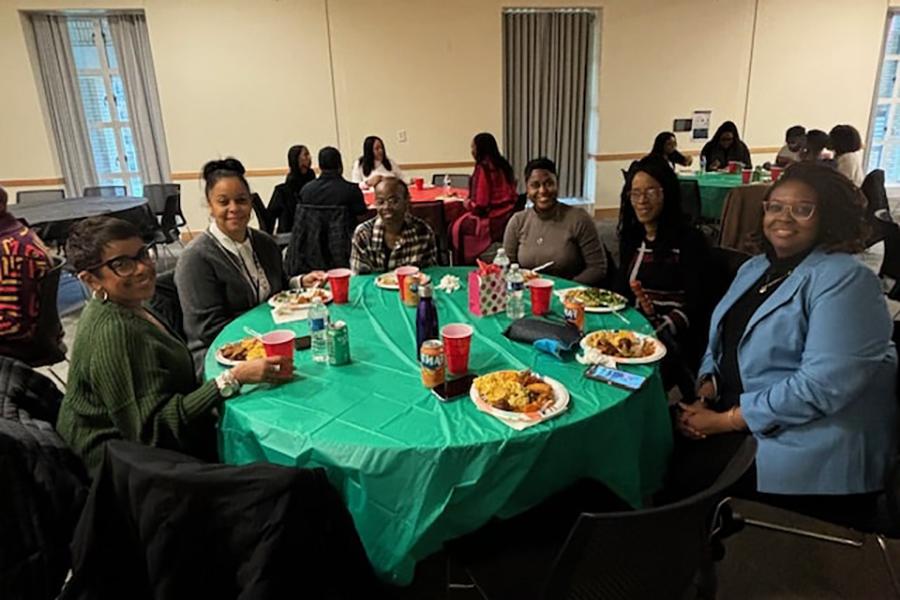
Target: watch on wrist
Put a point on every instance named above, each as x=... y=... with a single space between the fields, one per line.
x=228 y=384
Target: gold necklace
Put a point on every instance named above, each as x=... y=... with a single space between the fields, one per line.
x=765 y=287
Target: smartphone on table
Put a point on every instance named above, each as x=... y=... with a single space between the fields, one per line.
x=303 y=342
x=622 y=379
x=453 y=388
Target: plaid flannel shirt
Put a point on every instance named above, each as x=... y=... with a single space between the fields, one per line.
x=417 y=246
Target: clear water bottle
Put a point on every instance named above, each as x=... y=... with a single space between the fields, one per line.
x=447 y=187
x=502 y=261
x=702 y=163
x=515 y=292
x=318 y=330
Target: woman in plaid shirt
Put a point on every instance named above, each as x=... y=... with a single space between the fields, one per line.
x=394 y=238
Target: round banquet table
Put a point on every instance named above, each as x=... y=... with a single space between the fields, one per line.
x=714 y=188
x=415 y=472
x=39 y=212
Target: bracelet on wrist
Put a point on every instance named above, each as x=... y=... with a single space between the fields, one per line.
x=228 y=384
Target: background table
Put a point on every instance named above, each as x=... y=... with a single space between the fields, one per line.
x=452 y=208
x=416 y=472
x=714 y=187
x=40 y=212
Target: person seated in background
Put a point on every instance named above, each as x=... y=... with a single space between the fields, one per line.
x=553 y=231
x=845 y=142
x=374 y=164
x=814 y=147
x=665 y=146
x=725 y=147
x=492 y=198
x=800 y=356
x=331 y=189
x=24 y=261
x=230 y=268
x=131 y=377
x=393 y=238
x=286 y=195
x=794 y=139
x=667 y=257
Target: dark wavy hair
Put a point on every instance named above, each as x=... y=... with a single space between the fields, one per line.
x=4 y=199
x=840 y=205
x=293 y=158
x=486 y=150
x=816 y=141
x=367 y=160
x=671 y=219
x=217 y=170
x=659 y=144
x=88 y=238
x=844 y=139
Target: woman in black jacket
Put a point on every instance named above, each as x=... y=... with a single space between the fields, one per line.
x=286 y=195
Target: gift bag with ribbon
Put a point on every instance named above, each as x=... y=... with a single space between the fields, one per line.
x=487 y=290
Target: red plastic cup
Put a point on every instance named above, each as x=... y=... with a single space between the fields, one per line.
x=419 y=183
x=457 y=343
x=775 y=172
x=541 y=290
x=735 y=166
x=280 y=343
x=746 y=174
x=339 y=281
x=402 y=274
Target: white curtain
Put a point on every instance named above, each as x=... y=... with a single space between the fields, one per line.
x=49 y=37
x=547 y=58
x=132 y=43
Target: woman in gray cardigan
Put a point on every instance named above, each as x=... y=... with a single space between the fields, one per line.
x=230 y=268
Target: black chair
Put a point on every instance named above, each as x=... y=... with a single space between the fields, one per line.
x=46 y=346
x=457 y=180
x=890 y=266
x=106 y=191
x=38 y=195
x=878 y=211
x=262 y=214
x=725 y=263
x=653 y=553
x=320 y=239
x=151 y=230
x=432 y=212
x=160 y=524
x=166 y=305
x=158 y=195
x=691 y=205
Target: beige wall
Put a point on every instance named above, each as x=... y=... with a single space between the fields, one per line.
x=252 y=78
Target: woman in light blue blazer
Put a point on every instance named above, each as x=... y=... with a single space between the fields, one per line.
x=800 y=354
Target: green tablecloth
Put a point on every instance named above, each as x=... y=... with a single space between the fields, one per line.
x=416 y=472
x=714 y=188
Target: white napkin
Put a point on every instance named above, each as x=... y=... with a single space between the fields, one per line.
x=283 y=315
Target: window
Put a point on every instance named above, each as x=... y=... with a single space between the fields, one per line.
x=884 y=128
x=105 y=103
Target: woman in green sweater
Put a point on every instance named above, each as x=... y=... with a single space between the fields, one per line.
x=130 y=376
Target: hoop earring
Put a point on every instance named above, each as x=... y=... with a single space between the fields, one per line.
x=102 y=298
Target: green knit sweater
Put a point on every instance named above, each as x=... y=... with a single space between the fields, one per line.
x=129 y=380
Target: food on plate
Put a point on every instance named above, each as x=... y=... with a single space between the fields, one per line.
x=595 y=298
x=529 y=275
x=619 y=343
x=299 y=297
x=246 y=349
x=516 y=391
x=388 y=279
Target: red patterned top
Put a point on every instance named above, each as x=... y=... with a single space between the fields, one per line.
x=23 y=262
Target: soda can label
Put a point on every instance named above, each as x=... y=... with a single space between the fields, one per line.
x=338 y=344
x=431 y=360
x=573 y=312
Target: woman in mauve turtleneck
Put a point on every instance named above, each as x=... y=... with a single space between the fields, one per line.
x=552 y=231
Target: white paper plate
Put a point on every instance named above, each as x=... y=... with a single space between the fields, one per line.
x=657 y=354
x=226 y=361
x=561 y=401
x=275 y=303
x=379 y=282
x=592 y=309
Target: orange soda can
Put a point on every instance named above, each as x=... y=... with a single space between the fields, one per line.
x=431 y=359
x=573 y=310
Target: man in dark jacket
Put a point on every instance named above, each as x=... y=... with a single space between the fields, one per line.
x=331 y=189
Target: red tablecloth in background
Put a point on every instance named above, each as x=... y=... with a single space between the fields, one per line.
x=452 y=208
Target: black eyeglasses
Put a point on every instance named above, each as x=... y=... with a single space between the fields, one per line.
x=126 y=266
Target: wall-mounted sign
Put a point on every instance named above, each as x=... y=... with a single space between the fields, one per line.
x=700 y=125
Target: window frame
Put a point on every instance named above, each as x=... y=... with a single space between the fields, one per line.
x=893 y=102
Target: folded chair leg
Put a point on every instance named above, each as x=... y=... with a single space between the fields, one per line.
x=804 y=533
